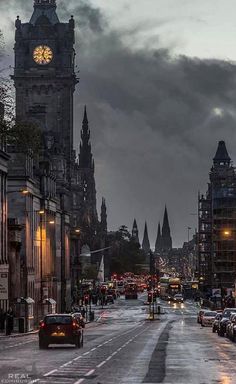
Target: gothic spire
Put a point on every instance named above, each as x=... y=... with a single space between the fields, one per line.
x=158 y=244
x=85 y=155
x=166 y=237
x=135 y=234
x=146 y=242
x=103 y=216
x=221 y=156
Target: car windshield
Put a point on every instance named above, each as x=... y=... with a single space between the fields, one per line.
x=210 y=314
x=228 y=313
x=58 y=320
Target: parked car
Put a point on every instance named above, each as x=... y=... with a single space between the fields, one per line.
x=109 y=299
x=208 y=318
x=231 y=327
x=80 y=318
x=178 y=298
x=224 y=320
x=216 y=321
x=60 y=329
x=199 y=316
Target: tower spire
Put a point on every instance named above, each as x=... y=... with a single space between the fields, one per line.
x=221 y=156
x=166 y=237
x=103 y=216
x=158 y=243
x=135 y=234
x=85 y=156
x=146 y=242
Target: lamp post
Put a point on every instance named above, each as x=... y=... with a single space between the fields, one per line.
x=51 y=222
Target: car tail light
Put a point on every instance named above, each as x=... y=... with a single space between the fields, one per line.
x=42 y=324
x=74 y=325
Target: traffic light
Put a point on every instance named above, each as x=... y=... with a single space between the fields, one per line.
x=86 y=299
x=150 y=297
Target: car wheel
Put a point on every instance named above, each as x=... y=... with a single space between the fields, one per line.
x=221 y=333
x=213 y=329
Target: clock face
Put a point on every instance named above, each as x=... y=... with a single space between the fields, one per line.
x=42 y=55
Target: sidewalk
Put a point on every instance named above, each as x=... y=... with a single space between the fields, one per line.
x=14 y=334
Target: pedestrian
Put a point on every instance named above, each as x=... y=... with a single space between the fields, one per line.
x=2 y=320
x=9 y=321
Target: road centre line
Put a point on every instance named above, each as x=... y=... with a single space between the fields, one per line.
x=65 y=365
x=86 y=353
x=49 y=373
x=90 y=372
x=110 y=357
x=101 y=364
x=77 y=358
x=79 y=381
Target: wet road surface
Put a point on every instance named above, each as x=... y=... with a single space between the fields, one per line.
x=123 y=347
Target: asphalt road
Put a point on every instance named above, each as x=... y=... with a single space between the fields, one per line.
x=123 y=347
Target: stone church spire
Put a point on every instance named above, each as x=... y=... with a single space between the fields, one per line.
x=221 y=156
x=166 y=237
x=103 y=216
x=135 y=234
x=85 y=155
x=158 y=244
x=146 y=242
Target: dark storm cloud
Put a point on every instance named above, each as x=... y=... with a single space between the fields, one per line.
x=155 y=120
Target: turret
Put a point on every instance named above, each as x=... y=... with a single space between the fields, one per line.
x=135 y=233
x=146 y=242
x=158 y=244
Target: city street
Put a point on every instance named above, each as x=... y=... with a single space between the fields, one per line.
x=122 y=346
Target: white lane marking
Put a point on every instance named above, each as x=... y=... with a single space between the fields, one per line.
x=90 y=372
x=93 y=349
x=101 y=364
x=108 y=358
x=77 y=358
x=33 y=381
x=65 y=365
x=86 y=353
x=79 y=381
x=49 y=373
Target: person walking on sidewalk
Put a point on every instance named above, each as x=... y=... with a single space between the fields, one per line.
x=9 y=321
x=2 y=320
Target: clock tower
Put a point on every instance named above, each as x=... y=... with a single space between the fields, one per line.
x=44 y=76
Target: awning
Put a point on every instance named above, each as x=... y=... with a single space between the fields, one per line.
x=50 y=300
x=27 y=300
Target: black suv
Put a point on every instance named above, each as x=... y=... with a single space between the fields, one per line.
x=224 y=320
x=60 y=329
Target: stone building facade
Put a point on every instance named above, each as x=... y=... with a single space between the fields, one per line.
x=4 y=260
x=217 y=225
x=52 y=196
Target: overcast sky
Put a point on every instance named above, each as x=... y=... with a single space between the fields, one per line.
x=158 y=78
